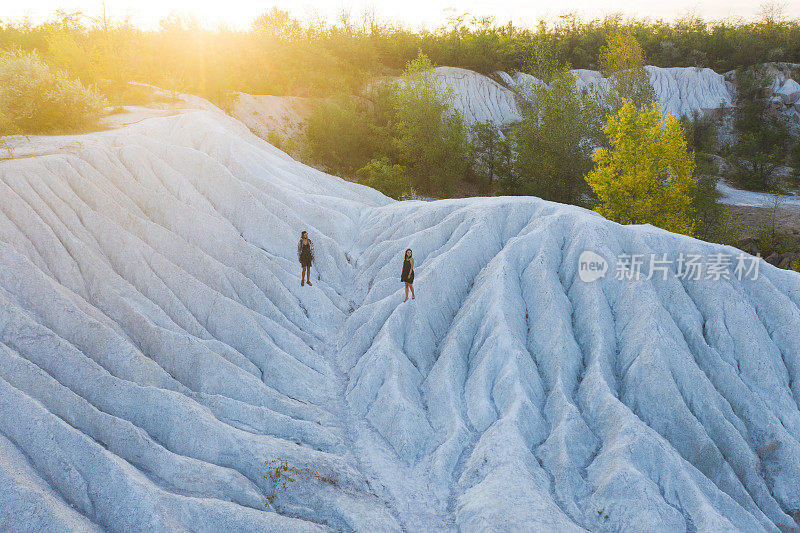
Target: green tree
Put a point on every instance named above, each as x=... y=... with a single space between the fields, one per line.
x=794 y=163
x=701 y=138
x=338 y=135
x=701 y=132
x=554 y=142
x=622 y=61
x=646 y=176
x=544 y=61
x=764 y=142
x=771 y=238
x=713 y=219
x=491 y=153
x=430 y=137
x=382 y=175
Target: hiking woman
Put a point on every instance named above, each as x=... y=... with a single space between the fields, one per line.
x=407 y=276
x=305 y=254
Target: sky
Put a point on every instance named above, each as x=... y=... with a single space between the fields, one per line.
x=412 y=13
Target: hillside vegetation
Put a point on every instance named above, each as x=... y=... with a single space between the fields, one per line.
x=34 y=98
x=327 y=58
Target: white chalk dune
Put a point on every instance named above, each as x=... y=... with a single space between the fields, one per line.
x=681 y=91
x=156 y=347
x=478 y=97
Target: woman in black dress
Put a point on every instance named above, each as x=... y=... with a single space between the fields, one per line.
x=305 y=254
x=407 y=276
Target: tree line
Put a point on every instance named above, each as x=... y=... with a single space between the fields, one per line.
x=281 y=55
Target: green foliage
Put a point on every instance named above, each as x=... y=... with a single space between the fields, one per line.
x=406 y=131
x=338 y=135
x=622 y=61
x=774 y=241
x=125 y=93
x=277 y=25
x=7 y=125
x=327 y=59
x=701 y=138
x=430 y=137
x=771 y=238
x=36 y=99
x=728 y=229
x=274 y=139
x=382 y=175
x=714 y=221
x=646 y=176
x=553 y=143
x=545 y=63
x=491 y=154
x=701 y=132
x=794 y=163
x=764 y=142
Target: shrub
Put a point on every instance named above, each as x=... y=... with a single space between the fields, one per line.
x=338 y=135
x=274 y=139
x=381 y=174
x=279 y=472
x=715 y=222
x=124 y=93
x=36 y=99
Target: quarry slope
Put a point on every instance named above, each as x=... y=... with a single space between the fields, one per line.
x=681 y=91
x=156 y=348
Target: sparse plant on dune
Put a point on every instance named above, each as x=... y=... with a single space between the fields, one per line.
x=280 y=473
x=283 y=475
